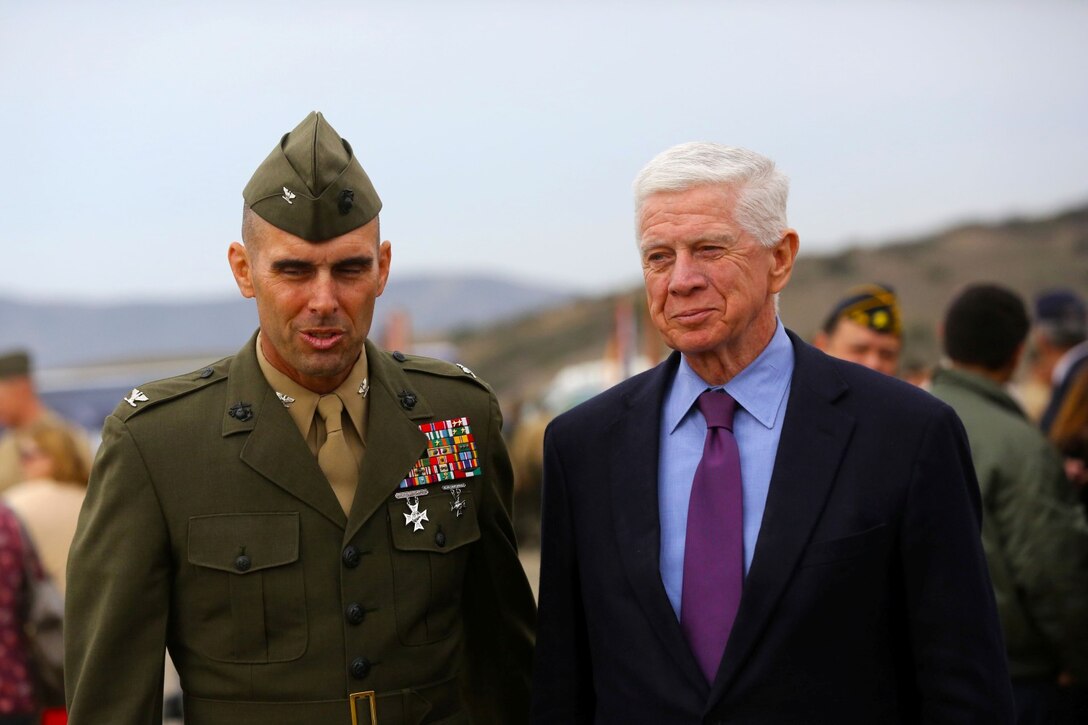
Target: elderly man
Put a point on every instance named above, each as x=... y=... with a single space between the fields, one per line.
x=754 y=532
x=317 y=529
x=864 y=327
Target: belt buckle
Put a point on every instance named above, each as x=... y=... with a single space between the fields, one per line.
x=353 y=700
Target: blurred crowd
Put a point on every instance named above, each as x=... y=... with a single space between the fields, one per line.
x=1015 y=371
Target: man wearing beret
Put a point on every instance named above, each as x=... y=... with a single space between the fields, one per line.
x=317 y=529
x=864 y=328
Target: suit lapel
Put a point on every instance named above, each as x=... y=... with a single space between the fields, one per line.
x=274 y=448
x=634 y=446
x=393 y=440
x=814 y=437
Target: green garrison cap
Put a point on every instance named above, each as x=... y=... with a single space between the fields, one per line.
x=15 y=363
x=872 y=305
x=311 y=185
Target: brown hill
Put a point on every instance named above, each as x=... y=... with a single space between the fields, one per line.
x=520 y=357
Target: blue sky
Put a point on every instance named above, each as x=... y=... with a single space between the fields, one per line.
x=503 y=136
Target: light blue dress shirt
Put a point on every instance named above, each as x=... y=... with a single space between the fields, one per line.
x=761 y=391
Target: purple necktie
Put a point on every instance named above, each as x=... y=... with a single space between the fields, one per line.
x=714 y=548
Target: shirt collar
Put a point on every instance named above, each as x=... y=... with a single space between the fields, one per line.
x=304 y=406
x=758 y=389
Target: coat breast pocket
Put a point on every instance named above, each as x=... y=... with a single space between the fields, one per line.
x=846 y=548
x=429 y=563
x=248 y=602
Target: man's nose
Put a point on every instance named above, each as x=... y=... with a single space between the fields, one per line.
x=687 y=275
x=323 y=294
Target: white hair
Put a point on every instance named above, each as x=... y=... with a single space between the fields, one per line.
x=762 y=190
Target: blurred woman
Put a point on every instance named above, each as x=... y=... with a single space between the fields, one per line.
x=49 y=499
x=17 y=703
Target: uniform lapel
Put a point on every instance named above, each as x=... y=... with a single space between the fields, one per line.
x=274 y=448
x=634 y=446
x=815 y=434
x=393 y=440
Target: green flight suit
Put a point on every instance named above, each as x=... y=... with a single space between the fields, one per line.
x=209 y=528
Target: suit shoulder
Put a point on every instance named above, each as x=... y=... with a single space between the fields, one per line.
x=437 y=369
x=879 y=394
x=170 y=390
x=648 y=386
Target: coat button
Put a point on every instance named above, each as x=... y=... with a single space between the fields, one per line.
x=398 y=356
x=359 y=668
x=350 y=557
x=206 y=373
x=355 y=613
x=242 y=563
x=440 y=538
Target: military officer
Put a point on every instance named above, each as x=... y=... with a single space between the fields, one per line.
x=318 y=530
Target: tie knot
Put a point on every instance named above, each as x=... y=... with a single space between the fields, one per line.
x=717 y=406
x=330 y=407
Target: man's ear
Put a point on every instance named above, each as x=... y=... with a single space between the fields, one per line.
x=385 y=256
x=785 y=253
x=238 y=257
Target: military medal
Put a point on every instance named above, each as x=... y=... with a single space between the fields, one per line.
x=414 y=517
x=450 y=454
x=135 y=397
x=458 y=504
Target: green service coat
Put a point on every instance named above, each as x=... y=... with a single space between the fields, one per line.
x=210 y=529
x=1033 y=530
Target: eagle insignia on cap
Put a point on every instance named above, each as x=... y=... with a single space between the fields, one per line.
x=288 y=195
x=345 y=201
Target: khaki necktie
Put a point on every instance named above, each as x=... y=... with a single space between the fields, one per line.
x=334 y=456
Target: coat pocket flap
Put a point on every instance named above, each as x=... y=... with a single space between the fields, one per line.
x=845 y=548
x=243 y=543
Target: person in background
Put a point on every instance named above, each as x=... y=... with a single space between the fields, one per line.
x=754 y=531
x=18 y=705
x=49 y=499
x=1034 y=533
x=1061 y=345
x=20 y=407
x=865 y=328
x=1069 y=432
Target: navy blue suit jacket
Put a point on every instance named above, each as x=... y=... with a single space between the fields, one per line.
x=868 y=599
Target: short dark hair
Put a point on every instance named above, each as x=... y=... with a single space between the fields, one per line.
x=984 y=325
